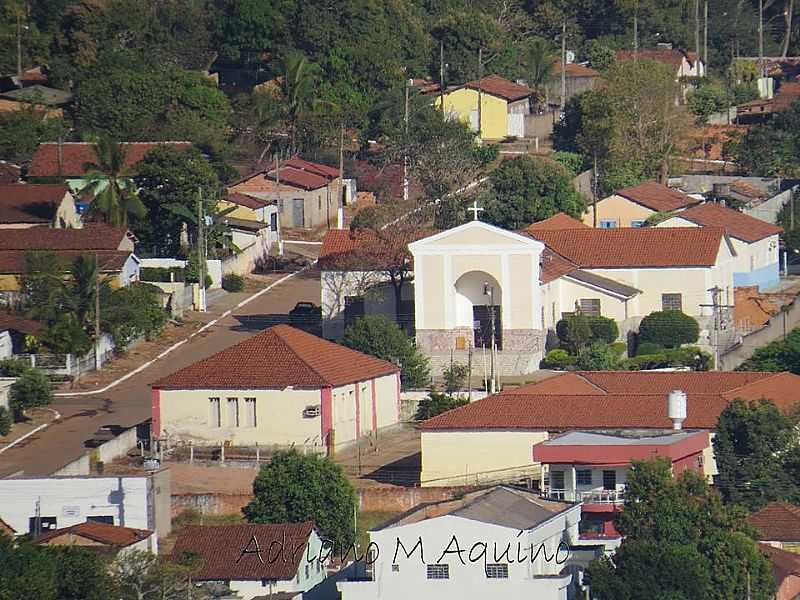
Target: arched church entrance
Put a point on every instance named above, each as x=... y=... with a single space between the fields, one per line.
x=479 y=300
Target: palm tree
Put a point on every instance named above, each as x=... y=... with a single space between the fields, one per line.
x=541 y=67
x=297 y=88
x=113 y=194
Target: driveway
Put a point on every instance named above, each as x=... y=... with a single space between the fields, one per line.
x=129 y=403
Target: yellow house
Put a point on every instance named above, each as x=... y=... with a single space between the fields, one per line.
x=503 y=106
x=632 y=206
x=24 y=205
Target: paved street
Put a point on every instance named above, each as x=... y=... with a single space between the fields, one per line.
x=129 y=403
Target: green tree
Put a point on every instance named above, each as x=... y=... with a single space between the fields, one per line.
x=81 y=573
x=112 y=191
x=246 y=28
x=529 y=189
x=603 y=329
x=669 y=328
x=772 y=149
x=65 y=335
x=600 y=56
x=294 y=488
x=574 y=332
x=5 y=421
x=597 y=357
x=540 y=69
x=141 y=575
x=41 y=285
x=28 y=572
x=21 y=132
x=706 y=100
x=780 y=355
x=455 y=377
x=378 y=336
x=167 y=177
x=298 y=84
x=754 y=441
x=133 y=311
x=436 y=403
x=32 y=389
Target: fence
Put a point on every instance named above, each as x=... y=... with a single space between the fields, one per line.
x=69 y=365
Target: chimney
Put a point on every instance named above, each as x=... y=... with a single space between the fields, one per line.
x=676 y=408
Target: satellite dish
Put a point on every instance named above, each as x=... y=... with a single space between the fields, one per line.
x=570 y=56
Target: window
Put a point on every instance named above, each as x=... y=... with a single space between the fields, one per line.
x=353 y=309
x=496 y=571
x=233 y=412
x=107 y=519
x=250 y=411
x=39 y=524
x=589 y=525
x=557 y=480
x=215 y=418
x=395 y=568
x=273 y=222
x=590 y=307
x=319 y=202
x=671 y=302
x=609 y=480
x=608 y=223
x=583 y=477
x=637 y=223
x=438 y=571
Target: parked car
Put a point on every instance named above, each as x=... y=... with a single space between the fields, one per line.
x=306 y=316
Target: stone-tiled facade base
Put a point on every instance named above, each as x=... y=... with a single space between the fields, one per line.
x=523 y=350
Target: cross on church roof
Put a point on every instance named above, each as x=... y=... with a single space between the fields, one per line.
x=475 y=210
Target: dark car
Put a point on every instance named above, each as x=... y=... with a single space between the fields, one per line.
x=306 y=316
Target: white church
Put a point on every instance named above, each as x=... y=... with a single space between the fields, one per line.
x=482 y=294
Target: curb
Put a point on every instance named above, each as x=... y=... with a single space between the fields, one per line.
x=57 y=416
x=177 y=345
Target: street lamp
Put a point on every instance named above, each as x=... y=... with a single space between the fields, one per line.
x=488 y=290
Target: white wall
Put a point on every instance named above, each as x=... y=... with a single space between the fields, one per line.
x=72 y=499
x=5 y=388
x=6 y=346
x=527 y=579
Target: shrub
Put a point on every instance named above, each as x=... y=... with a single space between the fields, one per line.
x=486 y=154
x=574 y=332
x=11 y=367
x=191 y=271
x=161 y=274
x=603 y=329
x=619 y=348
x=689 y=356
x=571 y=161
x=597 y=357
x=646 y=348
x=5 y=421
x=558 y=359
x=133 y=311
x=66 y=336
x=233 y=282
x=436 y=404
x=669 y=328
x=455 y=376
x=30 y=390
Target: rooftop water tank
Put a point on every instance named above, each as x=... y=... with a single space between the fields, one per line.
x=676 y=408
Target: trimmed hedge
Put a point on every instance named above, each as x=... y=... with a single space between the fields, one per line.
x=233 y=282
x=161 y=274
x=603 y=329
x=645 y=348
x=669 y=328
x=558 y=359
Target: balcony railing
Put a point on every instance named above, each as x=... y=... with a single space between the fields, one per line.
x=587 y=497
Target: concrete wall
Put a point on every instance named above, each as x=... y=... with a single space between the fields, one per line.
x=619 y=209
x=462 y=104
x=560 y=295
x=540 y=126
x=5 y=388
x=768 y=210
x=477 y=457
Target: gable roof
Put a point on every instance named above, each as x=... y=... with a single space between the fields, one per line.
x=317 y=168
x=657 y=196
x=246 y=200
x=552 y=266
x=220 y=550
x=10 y=322
x=92 y=236
x=499 y=505
x=777 y=522
x=736 y=224
x=103 y=533
x=277 y=358
x=575 y=70
x=299 y=178
x=618 y=400
x=557 y=222
x=14 y=261
x=76 y=155
x=30 y=203
x=363 y=248
x=495 y=85
x=669 y=56
x=635 y=247
x=785 y=565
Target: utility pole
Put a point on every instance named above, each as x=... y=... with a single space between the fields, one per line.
x=405 y=147
x=97 y=364
x=705 y=36
x=563 y=102
x=201 y=267
x=19 y=45
x=697 y=48
x=636 y=31
x=594 y=190
x=341 y=202
x=441 y=77
x=761 y=38
x=480 y=96
x=717 y=318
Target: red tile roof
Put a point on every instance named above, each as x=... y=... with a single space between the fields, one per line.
x=673 y=57
x=312 y=167
x=76 y=155
x=277 y=358
x=575 y=70
x=13 y=261
x=247 y=200
x=93 y=236
x=9 y=172
x=785 y=570
x=657 y=196
x=777 y=522
x=103 y=533
x=291 y=176
x=618 y=400
x=220 y=550
x=17 y=323
x=557 y=222
x=364 y=249
x=501 y=87
x=635 y=247
x=30 y=203
x=554 y=266
x=735 y=223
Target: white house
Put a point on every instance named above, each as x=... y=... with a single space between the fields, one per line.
x=265 y=561
x=478 y=286
x=44 y=504
x=499 y=542
x=755 y=242
x=281 y=387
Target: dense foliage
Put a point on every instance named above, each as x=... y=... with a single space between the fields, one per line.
x=378 y=336
x=757 y=454
x=436 y=403
x=669 y=328
x=294 y=488
x=30 y=390
x=679 y=526
x=772 y=149
x=780 y=355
